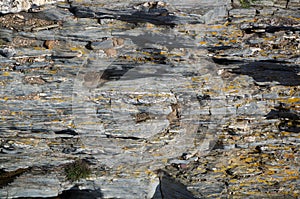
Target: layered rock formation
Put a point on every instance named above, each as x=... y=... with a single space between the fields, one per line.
x=173 y=99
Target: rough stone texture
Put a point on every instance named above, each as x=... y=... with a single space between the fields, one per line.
x=174 y=99
x=14 y=6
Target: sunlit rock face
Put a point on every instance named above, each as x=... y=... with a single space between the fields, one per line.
x=158 y=99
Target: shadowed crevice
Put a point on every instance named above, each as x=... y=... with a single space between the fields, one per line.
x=67 y=132
x=7 y=177
x=265 y=72
x=289 y=119
x=76 y=193
x=170 y=188
x=156 y=16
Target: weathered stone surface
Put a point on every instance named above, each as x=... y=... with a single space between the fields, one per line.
x=201 y=97
x=13 y=6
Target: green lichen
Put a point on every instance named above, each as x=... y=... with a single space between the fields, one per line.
x=245 y=3
x=77 y=170
x=2 y=42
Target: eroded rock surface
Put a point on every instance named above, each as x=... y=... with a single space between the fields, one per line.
x=14 y=6
x=201 y=97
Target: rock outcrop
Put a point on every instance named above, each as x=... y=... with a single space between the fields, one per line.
x=201 y=97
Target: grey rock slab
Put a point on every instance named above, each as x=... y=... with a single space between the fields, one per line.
x=101 y=44
x=125 y=191
x=137 y=94
x=157 y=16
x=54 y=14
x=217 y=15
x=169 y=39
x=293 y=4
x=48 y=186
x=6 y=34
x=242 y=12
x=199 y=7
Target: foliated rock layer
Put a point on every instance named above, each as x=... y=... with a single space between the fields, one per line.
x=174 y=99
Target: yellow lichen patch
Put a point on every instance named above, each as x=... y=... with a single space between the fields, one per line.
x=38 y=48
x=237 y=33
x=285 y=133
x=293 y=91
x=5 y=74
x=289 y=178
x=275 y=147
x=155 y=95
x=149 y=172
x=217 y=27
x=5 y=98
x=202 y=42
x=268 y=180
x=13 y=113
x=88 y=123
x=165 y=160
x=157 y=154
x=79 y=49
x=233 y=180
x=146 y=53
x=201 y=170
x=99 y=98
x=231 y=89
x=226 y=23
x=53 y=72
x=136 y=173
x=293 y=100
x=72 y=125
x=197 y=79
x=269 y=38
x=177 y=54
x=294 y=18
x=28 y=141
x=249 y=159
x=292 y=172
x=149 y=26
x=59 y=99
x=225 y=43
x=270 y=172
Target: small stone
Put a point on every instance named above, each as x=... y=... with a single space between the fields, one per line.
x=104 y=44
x=7 y=52
x=118 y=41
x=141 y=117
x=34 y=80
x=111 y=52
x=49 y=44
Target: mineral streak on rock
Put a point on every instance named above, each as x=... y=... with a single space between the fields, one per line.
x=160 y=99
